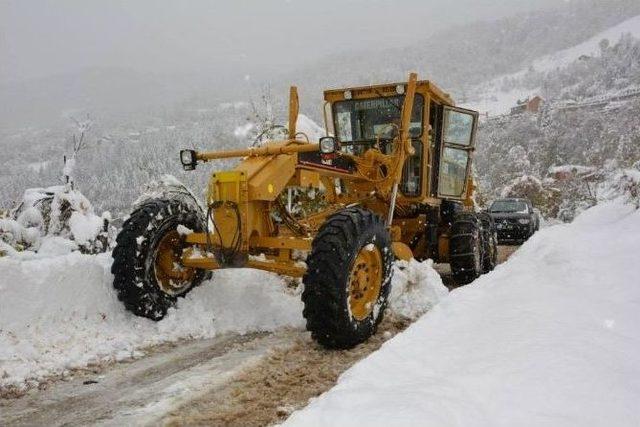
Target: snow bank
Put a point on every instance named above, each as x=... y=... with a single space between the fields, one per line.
x=61 y=312
x=549 y=338
x=415 y=288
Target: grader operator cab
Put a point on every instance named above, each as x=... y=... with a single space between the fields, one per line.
x=395 y=174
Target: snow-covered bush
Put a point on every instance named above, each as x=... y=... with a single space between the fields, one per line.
x=13 y=234
x=544 y=195
x=623 y=183
x=59 y=219
x=628 y=184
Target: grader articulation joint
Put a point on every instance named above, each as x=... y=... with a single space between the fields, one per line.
x=394 y=175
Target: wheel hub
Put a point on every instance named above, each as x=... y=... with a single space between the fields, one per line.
x=365 y=281
x=172 y=277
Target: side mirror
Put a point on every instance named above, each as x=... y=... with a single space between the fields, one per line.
x=329 y=145
x=188 y=159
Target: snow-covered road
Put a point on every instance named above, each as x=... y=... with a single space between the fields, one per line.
x=61 y=313
x=143 y=391
x=61 y=325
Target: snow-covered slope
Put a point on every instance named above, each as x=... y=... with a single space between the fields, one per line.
x=489 y=98
x=549 y=338
x=589 y=47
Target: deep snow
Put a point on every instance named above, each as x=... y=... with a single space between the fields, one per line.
x=549 y=338
x=60 y=312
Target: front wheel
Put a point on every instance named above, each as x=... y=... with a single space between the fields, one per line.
x=147 y=269
x=348 y=278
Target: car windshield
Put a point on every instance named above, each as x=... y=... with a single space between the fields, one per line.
x=509 y=206
x=367 y=119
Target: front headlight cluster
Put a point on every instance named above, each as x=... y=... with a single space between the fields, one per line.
x=328 y=145
x=188 y=159
x=524 y=221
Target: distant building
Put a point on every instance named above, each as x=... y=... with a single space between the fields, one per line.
x=528 y=106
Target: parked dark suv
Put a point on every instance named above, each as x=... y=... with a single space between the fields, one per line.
x=515 y=219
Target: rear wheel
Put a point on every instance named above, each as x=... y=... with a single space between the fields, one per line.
x=489 y=242
x=147 y=269
x=348 y=278
x=465 y=246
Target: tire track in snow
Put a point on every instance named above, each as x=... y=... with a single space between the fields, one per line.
x=285 y=380
x=142 y=391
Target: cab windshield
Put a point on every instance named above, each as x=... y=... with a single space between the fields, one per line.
x=509 y=206
x=359 y=120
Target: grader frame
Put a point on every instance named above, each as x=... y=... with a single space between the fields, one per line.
x=254 y=185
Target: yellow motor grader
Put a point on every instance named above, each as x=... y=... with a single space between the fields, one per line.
x=395 y=174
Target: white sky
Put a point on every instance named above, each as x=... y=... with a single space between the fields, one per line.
x=40 y=37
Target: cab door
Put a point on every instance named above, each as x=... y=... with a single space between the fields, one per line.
x=456 y=147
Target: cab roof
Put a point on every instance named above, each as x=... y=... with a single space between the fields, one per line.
x=372 y=91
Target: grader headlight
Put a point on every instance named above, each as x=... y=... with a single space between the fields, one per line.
x=188 y=159
x=328 y=145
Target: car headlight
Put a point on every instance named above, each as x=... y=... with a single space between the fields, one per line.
x=328 y=145
x=524 y=221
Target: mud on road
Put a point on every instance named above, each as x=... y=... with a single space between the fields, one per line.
x=253 y=379
x=142 y=391
x=267 y=392
x=284 y=381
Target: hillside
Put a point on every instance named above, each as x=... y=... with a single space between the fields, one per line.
x=593 y=87
x=461 y=58
x=458 y=59
x=551 y=76
x=132 y=145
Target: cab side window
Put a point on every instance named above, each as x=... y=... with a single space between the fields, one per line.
x=457 y=143
x=453 y=172
x=412 y=172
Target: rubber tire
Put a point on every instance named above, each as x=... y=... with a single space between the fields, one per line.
x=466 y=238
x=133 y=257
x=489 y=242
x=325 y=295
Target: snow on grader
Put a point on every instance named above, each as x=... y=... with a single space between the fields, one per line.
x=396 y=177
